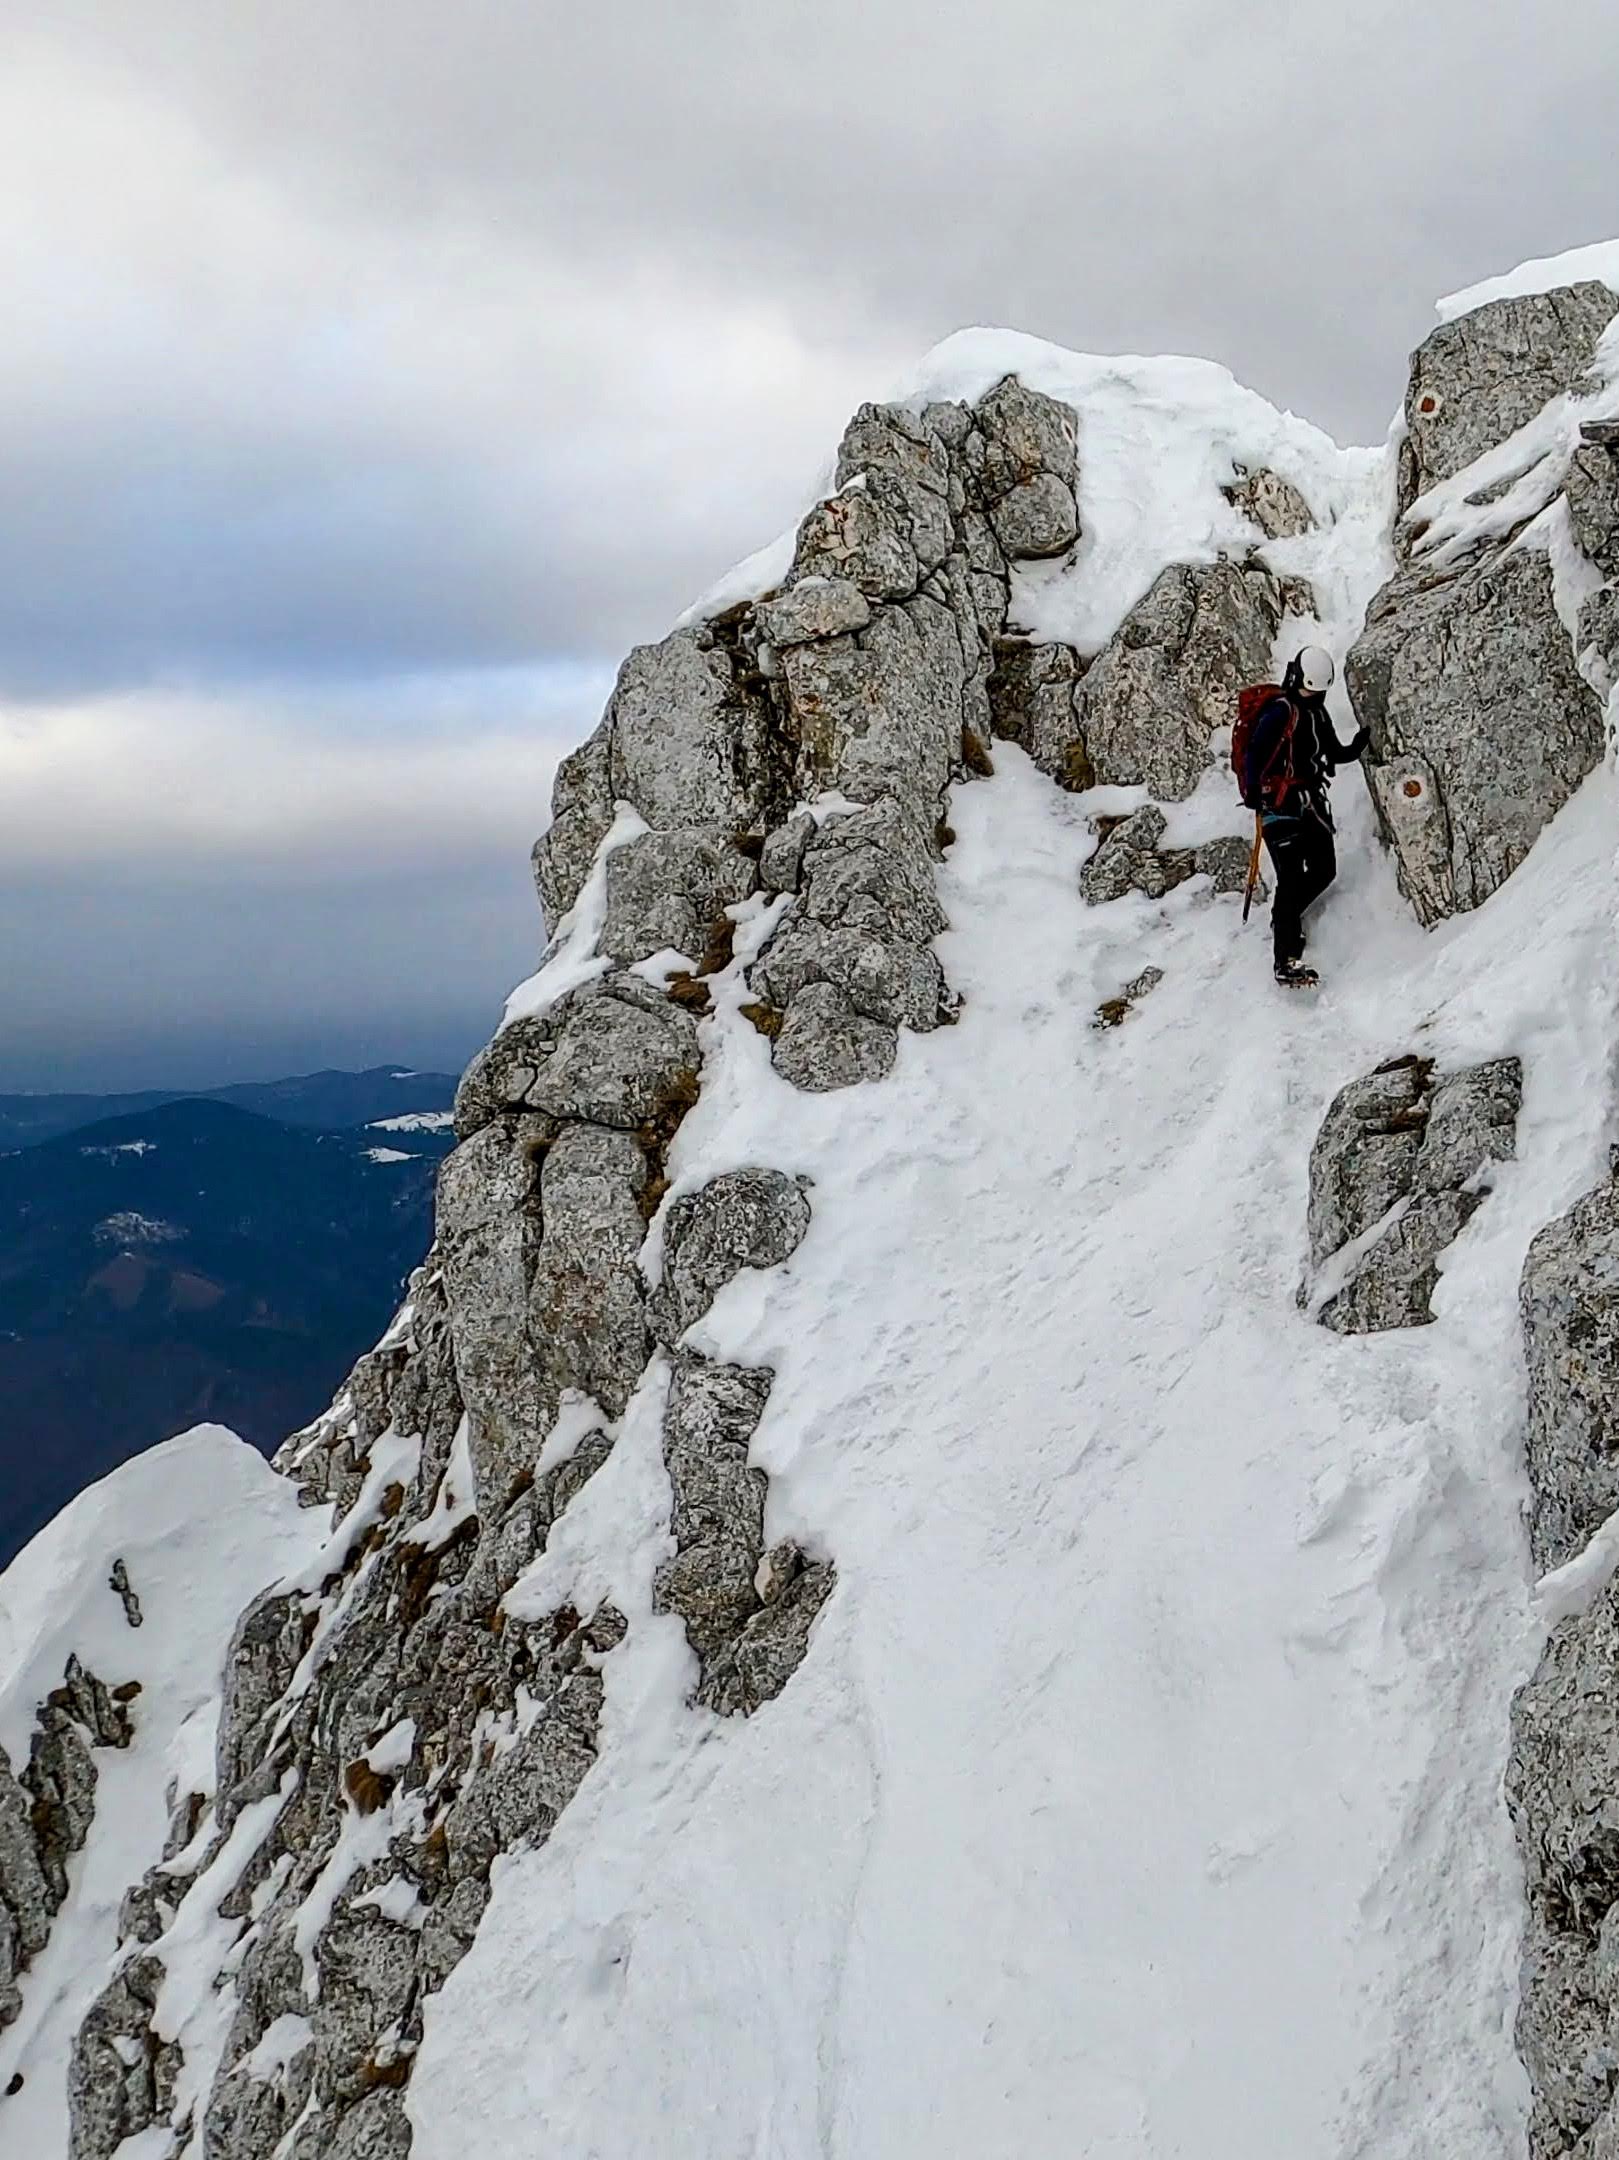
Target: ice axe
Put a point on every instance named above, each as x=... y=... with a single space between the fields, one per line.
x=1253 y=866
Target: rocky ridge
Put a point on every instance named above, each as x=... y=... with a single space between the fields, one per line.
x=1482 y=720
x=399 y=1717
x=45 y=1814
x=761 y=811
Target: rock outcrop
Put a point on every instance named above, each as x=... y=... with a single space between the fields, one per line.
x=1150 y=701
x=1563 y=1776
x=1481 y=724
x=1129 y=857
x=1270 y=502
x=46 y=1811
x=1569 y=1298
x=1479 y=378
x=416 y=1708
x=1397 y=1170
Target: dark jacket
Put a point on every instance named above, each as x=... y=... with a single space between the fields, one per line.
x=1295 y=750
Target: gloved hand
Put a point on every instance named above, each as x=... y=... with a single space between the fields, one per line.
x=1359 y=741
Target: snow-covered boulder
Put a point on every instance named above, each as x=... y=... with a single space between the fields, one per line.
x=1397 y=1170
x=1481 y=723
x=1487 y=372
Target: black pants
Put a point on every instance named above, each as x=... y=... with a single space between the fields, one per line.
x=1305 y=863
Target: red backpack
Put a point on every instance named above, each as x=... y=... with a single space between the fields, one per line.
x=1250 y=704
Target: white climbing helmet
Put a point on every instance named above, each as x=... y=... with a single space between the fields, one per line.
x=1315 y=670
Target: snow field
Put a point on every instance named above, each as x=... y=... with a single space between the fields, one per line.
x=201 y=1523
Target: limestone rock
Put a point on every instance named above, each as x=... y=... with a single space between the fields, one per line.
x=1562 y=1787
x=816 y=607
x=118 y=1582
x=1478 y=379
x=1039 y=517
x=1299 y=596
x=1170 y=675
x=871 y=870
x=1597 y=641
x=1114 y=1011
x=719 y=1500
x=1130 y=858
x=1480 y=720
x=1365 y=1154
x=61 y=1781
x=781 y=860
x=824 y=1043
x=742 y=1219
x=616 y=1053
x=1031 y=700
x=881 y=714
x=1025 y=462
x=862 y=926
x=776 y=1570
x=883 y=979
x=490 y=1238
x=1224 y=862
x=586 y=1308
x=1592 y=488
x=24 y=1886
x=1403 y=1145
x=686 y=747
x=1025 y=433
x=581 y=813
x=862 y=536
x=757 y=1663
x=120 y=2078
x=665 y=890
x=1270 y=502
x=1393 y=1287
x=889 y=449
x=1569 y=1300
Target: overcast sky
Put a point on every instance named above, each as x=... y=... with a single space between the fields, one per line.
x=371 y=375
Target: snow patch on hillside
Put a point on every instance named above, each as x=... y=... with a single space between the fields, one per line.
x=200 y=1523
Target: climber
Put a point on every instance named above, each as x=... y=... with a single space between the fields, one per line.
x=1285 y=749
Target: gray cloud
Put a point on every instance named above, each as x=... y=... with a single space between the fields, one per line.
x=373 y=377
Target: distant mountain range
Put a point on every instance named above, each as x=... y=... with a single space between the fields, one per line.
x=327 y=1100
x=197 y=1259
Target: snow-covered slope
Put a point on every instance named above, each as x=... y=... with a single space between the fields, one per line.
x=199 y=1524
x=1141 y=1796
x=862 y=1611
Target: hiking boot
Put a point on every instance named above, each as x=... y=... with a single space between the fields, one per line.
x=1296 y=976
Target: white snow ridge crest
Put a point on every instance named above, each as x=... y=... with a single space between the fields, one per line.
x=935 y=1563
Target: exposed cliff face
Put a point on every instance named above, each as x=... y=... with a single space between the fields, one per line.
x=828 y=1290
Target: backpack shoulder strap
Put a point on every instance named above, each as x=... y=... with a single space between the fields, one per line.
x=1279 y=765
